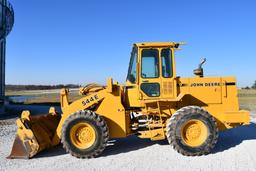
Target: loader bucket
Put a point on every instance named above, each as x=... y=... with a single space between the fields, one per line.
x=34 y=134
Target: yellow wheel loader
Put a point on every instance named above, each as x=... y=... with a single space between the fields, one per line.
x=154 y=103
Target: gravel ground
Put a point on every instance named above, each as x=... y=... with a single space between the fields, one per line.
x=234 y=151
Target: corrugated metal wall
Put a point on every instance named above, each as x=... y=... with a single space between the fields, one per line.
x=2 y=54
x=2 y=69
x=6 y=23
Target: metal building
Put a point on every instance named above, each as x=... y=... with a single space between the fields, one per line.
x=6 y=23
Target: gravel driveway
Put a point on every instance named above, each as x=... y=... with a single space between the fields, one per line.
x=235 y=150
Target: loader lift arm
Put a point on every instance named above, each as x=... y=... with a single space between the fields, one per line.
x=84 y=103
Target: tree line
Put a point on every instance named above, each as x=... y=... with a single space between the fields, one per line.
x=9 y=87
x=252 y=87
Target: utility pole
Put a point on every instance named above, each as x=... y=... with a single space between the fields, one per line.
x=6 y=24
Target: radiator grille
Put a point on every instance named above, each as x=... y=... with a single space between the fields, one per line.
x=167 y=88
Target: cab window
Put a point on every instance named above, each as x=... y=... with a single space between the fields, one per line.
x=149 y=58
x=151 y=89
x=166 y=56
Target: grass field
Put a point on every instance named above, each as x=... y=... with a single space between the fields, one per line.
x=247 y=98
x=43 y=96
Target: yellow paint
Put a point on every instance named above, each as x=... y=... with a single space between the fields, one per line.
x=114 y=113
x=154 y=134
x=132 y=97
x=82 y=135
x=237 y=117
x=108 y=102
x=194 y=133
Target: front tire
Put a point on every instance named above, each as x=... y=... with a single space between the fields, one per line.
x=84 y=134
x=192 y=131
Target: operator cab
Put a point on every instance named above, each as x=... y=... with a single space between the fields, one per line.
x=151 y=72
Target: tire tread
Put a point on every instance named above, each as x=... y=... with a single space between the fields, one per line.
x=171 y=127
x=100 y=122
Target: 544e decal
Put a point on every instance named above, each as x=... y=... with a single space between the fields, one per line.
x=90 y=100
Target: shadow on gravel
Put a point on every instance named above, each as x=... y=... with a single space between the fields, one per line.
x=131 y=143
x=52 y=152
x=117 y=146
x=233 y=137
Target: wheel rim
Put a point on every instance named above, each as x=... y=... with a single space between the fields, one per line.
x=194 y=133
x=82 y=135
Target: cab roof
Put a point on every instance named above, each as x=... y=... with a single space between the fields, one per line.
x=158 y=44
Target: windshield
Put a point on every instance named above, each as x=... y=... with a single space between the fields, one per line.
x=132 y=67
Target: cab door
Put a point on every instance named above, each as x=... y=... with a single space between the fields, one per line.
x=150 y=81
x=156 y=74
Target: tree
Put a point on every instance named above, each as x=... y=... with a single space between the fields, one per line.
x=254 y=85
x=246 y=88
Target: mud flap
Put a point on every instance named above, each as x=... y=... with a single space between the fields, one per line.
x=34 y=134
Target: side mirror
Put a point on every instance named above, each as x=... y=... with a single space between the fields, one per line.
x=200 y=71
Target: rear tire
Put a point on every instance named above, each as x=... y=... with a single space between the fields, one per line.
x=84 y=134
x=192 y=131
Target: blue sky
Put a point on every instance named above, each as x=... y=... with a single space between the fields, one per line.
x=85 y=41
